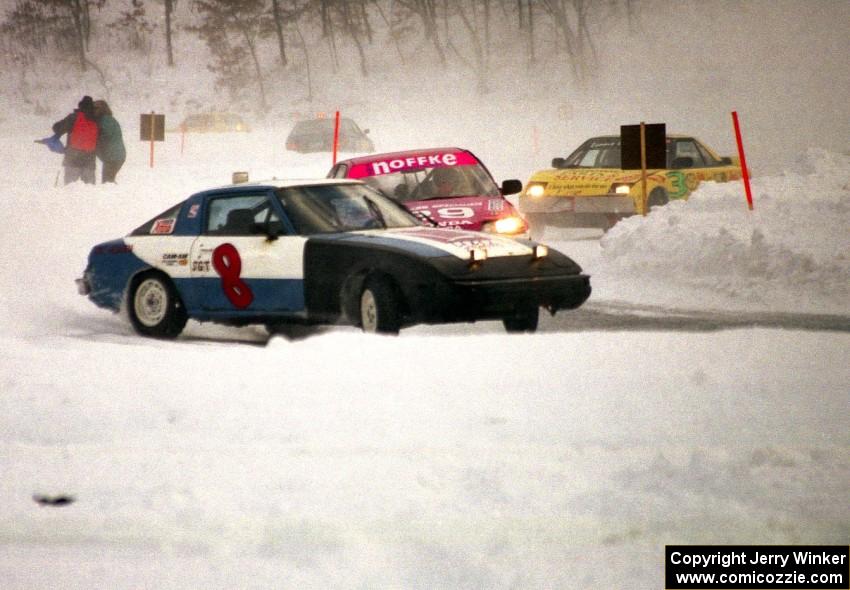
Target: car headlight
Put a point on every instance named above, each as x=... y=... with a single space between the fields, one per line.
x=620 y=189
x=506 y=225
x=535 y=190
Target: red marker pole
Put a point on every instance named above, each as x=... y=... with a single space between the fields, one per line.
x=336 y=137
x=744 y=172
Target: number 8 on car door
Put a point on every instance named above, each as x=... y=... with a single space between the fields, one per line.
x=247 y=251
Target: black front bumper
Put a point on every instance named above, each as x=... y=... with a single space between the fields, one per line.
x=473 y=300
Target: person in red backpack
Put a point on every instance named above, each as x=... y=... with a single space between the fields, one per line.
x=82 y=130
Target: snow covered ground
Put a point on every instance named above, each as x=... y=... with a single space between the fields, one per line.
x=702 y=395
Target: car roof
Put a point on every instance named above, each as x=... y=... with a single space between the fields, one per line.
x=287 y=183
x=320 y=121
x=617 y=137
x=401 y=155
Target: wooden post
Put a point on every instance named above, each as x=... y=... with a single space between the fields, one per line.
x=643 y=166
x=153 y=127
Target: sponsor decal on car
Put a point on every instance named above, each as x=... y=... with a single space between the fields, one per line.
x=171 y=259
x=432 y=160
x=163 y=226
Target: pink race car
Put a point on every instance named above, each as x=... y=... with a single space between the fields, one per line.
x=448 y=186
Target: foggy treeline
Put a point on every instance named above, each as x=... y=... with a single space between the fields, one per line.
x=249 y=40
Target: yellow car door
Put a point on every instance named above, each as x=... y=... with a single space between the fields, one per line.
x=690 y=163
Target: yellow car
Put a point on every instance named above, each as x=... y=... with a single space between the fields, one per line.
x=213 y=123
x=589 y=189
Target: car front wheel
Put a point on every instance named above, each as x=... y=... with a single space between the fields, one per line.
x=155 y=308
x=379 y=307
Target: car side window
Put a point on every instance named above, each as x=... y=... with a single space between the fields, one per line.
x=687 y=155
x=706 y=155
x=243 y=215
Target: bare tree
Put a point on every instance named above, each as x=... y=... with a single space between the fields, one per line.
x=389 y=25
x=232 y=29
x=570 y=18
x=354 y=24
x=426 y=11
x=60 y=25
x=277 y=17
x=169 y=10
x=479 y=48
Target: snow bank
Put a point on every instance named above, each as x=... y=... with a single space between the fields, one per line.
x=791 y=253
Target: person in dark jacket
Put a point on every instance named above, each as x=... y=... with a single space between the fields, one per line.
x=82 y=130
x=110 y=143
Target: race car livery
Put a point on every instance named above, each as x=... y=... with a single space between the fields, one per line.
x=589 y=188
x=449 y=186
x=320 y=252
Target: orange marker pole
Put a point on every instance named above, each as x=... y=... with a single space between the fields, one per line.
x=336 y=137
x=744 y=171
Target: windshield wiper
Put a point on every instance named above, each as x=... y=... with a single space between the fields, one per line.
x=376 y=211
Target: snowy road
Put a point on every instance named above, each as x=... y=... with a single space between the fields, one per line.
x=700 y=396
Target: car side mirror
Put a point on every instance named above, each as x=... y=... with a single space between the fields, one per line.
x=558 y=162
x=271 y=230
x=726 y=161
x=511 y=187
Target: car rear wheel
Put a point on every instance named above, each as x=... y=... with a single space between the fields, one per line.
x=155 y=308
x=379 y=307
x=658 y=198
x=524 y=320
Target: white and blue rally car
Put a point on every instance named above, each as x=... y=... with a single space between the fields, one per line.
x=321 y=252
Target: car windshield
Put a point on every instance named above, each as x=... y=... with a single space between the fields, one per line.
x=444 y=182
x=334 y=208
x=596 y=153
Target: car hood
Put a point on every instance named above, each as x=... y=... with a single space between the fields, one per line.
x=431 y=242
x=587 y=181
x=463 y=211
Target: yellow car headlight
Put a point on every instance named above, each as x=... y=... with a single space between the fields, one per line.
x=535 y=190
